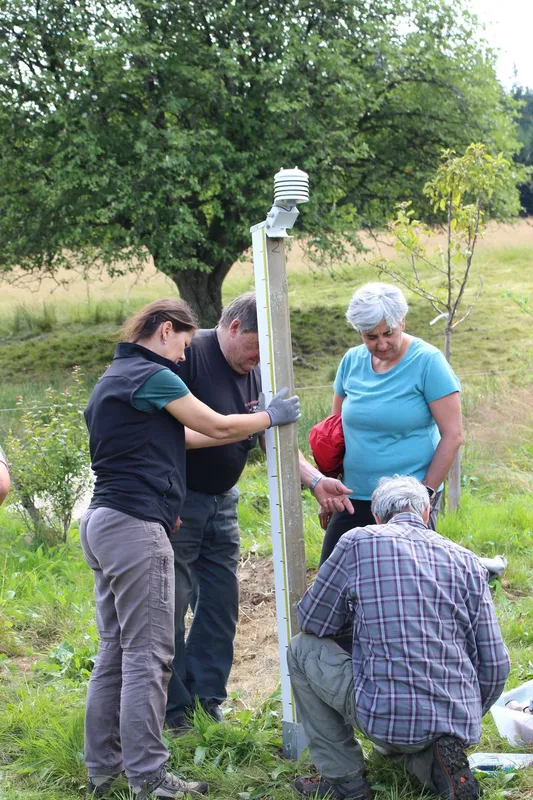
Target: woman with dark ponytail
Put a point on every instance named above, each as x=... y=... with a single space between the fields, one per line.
x=136 y=416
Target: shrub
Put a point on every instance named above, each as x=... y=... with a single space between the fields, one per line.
x=69 y=662
x=49 y=461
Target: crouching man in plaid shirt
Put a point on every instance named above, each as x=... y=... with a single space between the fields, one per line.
x=428 y=658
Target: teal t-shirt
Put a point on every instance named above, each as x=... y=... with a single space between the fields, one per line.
x=160 y=389
x=387 y=422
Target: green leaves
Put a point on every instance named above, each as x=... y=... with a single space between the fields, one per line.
x=156 y=127
x=474 y=183
x=461 y=191
x=49 y=461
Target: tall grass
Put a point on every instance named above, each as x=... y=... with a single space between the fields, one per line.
x=45 y=594
x=41 y=708
x=47 y=630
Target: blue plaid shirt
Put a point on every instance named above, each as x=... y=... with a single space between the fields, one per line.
x=428 y=655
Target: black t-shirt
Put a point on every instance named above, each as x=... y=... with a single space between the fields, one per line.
x=210 y=378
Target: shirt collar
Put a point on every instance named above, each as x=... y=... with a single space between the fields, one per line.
x=131 y=349
x=408 y=517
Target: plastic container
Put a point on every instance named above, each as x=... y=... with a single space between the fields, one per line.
x=499 y=762
x=496 y=566
x=515 y=726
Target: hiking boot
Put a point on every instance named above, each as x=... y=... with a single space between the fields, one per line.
x=166 y=784
x=179 y=724
x=213 y=709
x=451 y=774
x=99 y=785
x=315 y=786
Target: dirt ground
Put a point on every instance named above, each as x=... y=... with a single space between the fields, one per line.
x=255 y=672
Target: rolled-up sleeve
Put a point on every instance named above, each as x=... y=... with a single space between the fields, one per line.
x=493 y=656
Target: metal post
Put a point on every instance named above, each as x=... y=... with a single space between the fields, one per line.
x=288 y=550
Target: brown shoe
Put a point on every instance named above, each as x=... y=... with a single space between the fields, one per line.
x=168 y=785
x=315 y=786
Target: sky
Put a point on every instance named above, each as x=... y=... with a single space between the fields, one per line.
x=509 y=28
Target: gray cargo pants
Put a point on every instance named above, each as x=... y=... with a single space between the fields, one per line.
x=322 y=682
x=133 y=566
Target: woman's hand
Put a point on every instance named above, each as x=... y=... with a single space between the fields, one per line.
x=282 y=410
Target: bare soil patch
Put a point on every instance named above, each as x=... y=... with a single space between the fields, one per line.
x=255 y=672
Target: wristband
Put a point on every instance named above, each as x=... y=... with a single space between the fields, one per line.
x=314 y=482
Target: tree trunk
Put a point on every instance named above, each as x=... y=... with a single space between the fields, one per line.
x=454 y=484
x=453 y=493
x=448 y=343
x=203 y=292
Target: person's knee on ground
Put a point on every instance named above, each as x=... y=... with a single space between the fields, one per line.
x=349 y=783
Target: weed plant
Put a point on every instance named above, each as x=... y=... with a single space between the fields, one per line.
x=47 y=629
x=46 y=598
x=45 y=593
x=48 y=457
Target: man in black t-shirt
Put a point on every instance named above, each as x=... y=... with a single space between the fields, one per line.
x=222 y=370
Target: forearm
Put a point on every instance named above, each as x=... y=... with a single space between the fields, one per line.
x=492 y=678
x=323 y=609
x=195 y=440
x=307 y=471
x=236 y=427
x=442 y=460
x=493 y=663
x=198 y=417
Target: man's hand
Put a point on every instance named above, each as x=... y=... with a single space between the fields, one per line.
x=333 y=496
x=324 y=517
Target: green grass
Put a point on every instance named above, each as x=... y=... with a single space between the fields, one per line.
x=47 y=630
x=45 y=600
x=44 y=340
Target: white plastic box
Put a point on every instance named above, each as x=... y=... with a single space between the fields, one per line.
x=515 y=726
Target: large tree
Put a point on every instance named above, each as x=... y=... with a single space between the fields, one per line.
x=525 y=135
x=155 y=127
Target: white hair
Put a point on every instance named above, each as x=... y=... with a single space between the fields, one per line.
x=394 y=495
x=375 y=302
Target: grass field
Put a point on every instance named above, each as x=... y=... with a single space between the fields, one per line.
x=47 y=631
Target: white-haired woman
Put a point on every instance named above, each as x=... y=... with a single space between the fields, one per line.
x=400 y=405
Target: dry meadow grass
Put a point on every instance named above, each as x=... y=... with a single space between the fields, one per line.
x=499 y=436
x=146 y=283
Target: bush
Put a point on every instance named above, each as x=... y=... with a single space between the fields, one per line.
x=70 y=662
x=49 y=461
